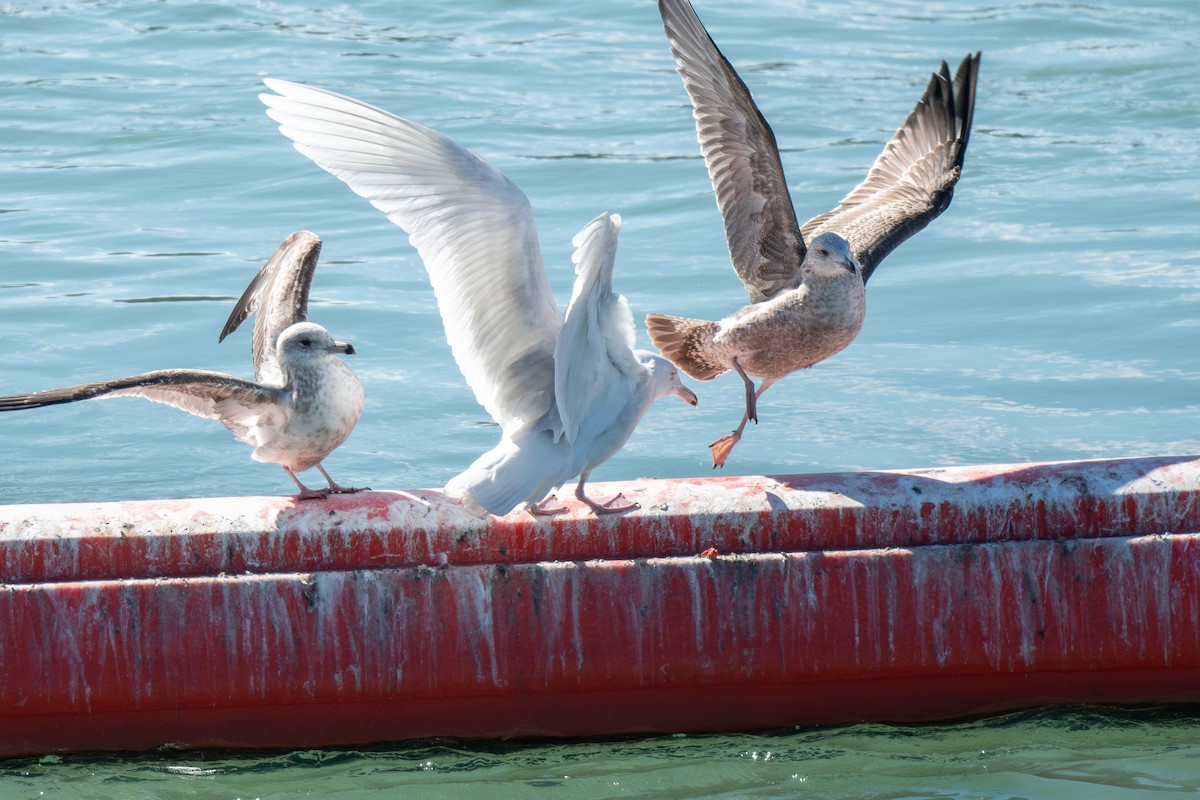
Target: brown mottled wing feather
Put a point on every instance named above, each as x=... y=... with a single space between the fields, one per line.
x=213 y=395
x=742 y=157
x=279 y=295
x=912 y=180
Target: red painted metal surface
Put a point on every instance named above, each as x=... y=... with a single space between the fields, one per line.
x=725 y=603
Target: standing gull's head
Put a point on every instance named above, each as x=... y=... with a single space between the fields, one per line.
x=308 y=342
x=664 y=379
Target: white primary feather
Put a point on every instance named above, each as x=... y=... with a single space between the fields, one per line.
x=567 y=393
x=595 y=345
x=473 y=228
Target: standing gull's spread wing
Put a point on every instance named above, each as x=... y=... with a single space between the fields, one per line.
x=306 y=401
x=912 y=180
x=295 y=423
x=567 y=393
x=473 y=228
x=214 y=395
x=742 y=157
x=594 y=362
x=279 y=296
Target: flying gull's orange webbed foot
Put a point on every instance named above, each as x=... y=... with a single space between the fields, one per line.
x=721 y=449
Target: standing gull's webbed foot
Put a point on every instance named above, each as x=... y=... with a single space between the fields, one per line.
x=335 y=488
x=305 y=492
x=545 y=509
x=614 y=505
x=611 y=506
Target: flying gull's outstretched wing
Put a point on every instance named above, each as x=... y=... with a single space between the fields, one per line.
x=912 y=180
x=742 y=157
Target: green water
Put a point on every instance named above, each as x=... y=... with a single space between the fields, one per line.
x=1051 y=753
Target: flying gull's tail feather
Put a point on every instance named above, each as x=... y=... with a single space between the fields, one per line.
x=686 y=343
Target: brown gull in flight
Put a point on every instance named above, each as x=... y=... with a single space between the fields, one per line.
x=305 y=402
x=806 y=283
x=566 y=392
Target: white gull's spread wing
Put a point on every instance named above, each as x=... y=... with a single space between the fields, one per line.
x=594 y=353
x=238 y=404
x=742 y=157
x=473 y=228
x=912 y=180
x=279 y=296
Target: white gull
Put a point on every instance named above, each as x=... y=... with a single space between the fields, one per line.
x=806 y=283
x=306 y=401
x=567 y=393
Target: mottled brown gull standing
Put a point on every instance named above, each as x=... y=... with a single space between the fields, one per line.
x=806 y=283
x=305 y=402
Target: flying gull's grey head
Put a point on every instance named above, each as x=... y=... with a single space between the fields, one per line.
x=830 y=253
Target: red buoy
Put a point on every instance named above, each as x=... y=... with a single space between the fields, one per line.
x=724 y=603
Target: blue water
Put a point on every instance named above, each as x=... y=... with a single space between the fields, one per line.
x=1051 y=313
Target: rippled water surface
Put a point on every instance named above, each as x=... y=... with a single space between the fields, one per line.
x=1066 y=753
x=1051 y=313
